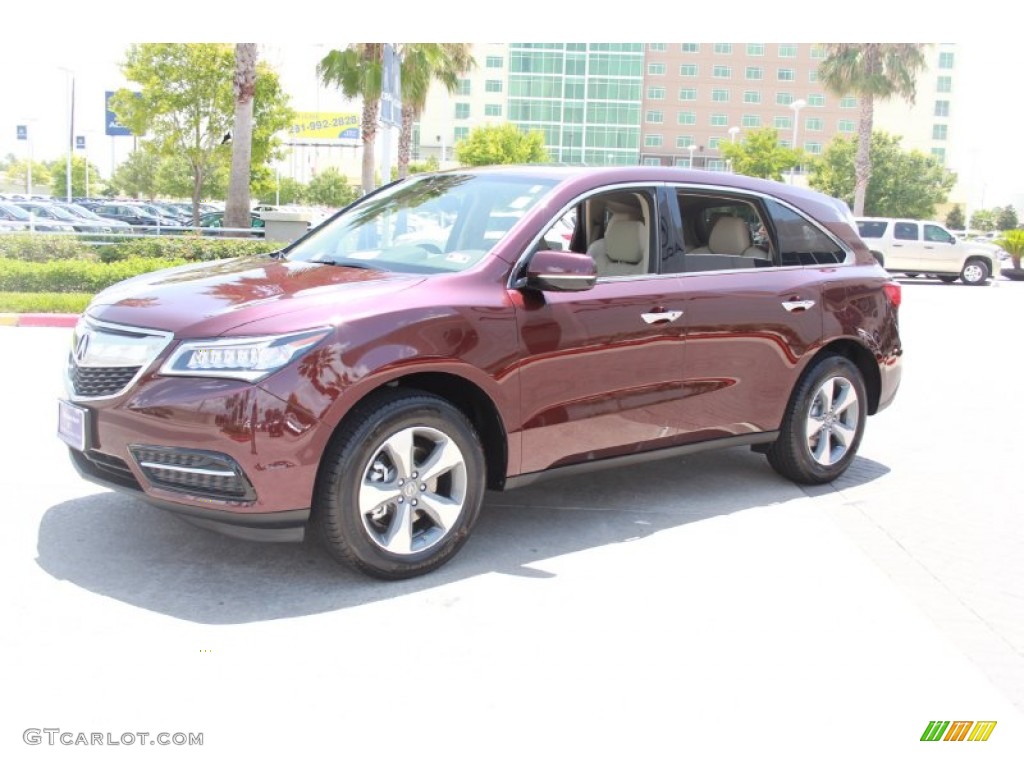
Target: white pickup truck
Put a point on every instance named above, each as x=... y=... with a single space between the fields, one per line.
x=928 y=248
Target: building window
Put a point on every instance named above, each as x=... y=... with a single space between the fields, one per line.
x=847 y=126
x=716 y=165
x=682 y=162
x=655 y=68
x=813 y=147
x=656 y=93
x=817 y=52
x=946 y=60
x=723 y=48
x=782 y=123
x=714 y=142
x=719 y=120
x=654 y=116
x=816 y=100
x=814 y=124
x=492 y=110
x=659 y=47
x=690 y=47
x=652 y=161
x=462 y=87
x=786 y=75
x=754 y=73
x=461 y=132
x=687 y=94
x=939 y=153
x=942 y=109
x=493 y=86
x=495 y=62
x=686 y=118
x=461 y=111
x=721 y=71
x=687 y=70
x=787 y=51
x=785 y=143
x=720 y=95
x=944 y=84
x=751 y=97
x=939 y=132
x=755 y=49
x=652 y=140
x=848 y=102
x=682 y=142
x=783 y=98
x=751 y=121
x=812 y=76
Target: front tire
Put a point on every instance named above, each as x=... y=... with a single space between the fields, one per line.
x=823 y=425
x=400 y=486
x=975 y=272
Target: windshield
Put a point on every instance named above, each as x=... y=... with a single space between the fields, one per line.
x=439 y=223
x=15 y=212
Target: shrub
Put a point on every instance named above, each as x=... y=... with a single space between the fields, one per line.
x=74 y=276
x=40 y=247
x=45 y=248
x=73 y=303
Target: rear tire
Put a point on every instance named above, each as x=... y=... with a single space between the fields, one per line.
x=400 y=485
x=823 y=425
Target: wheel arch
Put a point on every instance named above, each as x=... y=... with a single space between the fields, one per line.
x=468 y=398
x=865 y=362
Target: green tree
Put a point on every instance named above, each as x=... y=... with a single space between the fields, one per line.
x=136 y=176
x=59 y=178
x=239 y=199
x=1013 y=243
x=422 y=64
x=870 y=71
x=955 y=218
x=358 y=71
x=502 y=144
x=1007 y=218
x=760 y=154
x=187 y=107
x=905 y=184
x=291 y=191
x=984 y=219
x=330 y=188
x=17 y=173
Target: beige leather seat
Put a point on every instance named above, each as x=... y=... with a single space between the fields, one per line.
x=623 y=249
x=729 y=247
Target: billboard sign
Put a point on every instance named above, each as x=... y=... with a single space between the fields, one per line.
x=22 y=132
x=114 y=128
x=324 y=125
x=79 y=142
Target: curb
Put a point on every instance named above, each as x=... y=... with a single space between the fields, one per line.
x=38 y=320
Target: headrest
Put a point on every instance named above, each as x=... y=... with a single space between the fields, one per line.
x=730 y=235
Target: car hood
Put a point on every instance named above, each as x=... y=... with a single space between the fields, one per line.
x=212 y=298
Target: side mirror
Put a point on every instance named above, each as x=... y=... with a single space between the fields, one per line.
x=952 y=239
x=561 y=271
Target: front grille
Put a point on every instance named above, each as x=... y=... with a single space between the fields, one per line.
x=211 y=474
x=100 y=382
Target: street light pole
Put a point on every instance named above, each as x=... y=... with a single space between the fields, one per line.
x=69 y=80
x=796 y=106
x=691 y=148
x=732 y=139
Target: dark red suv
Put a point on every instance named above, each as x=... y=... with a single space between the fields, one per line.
x=481 y=329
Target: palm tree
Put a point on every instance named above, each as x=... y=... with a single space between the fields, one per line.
x=236 y=211
x=870 y=71
x=422 y=64
x=358 y=71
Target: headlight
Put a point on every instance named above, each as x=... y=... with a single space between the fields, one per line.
x=247 y=358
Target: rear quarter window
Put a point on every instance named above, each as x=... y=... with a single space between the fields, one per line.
x=800 y=241
x=872 y=228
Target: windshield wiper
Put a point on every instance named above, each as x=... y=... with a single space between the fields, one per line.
x=344 y=263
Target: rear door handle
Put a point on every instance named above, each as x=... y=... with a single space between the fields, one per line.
x=797 y=306
x=668 y=316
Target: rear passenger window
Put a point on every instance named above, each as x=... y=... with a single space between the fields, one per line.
x=905 y=230
x=719 y=233
x=800 y=241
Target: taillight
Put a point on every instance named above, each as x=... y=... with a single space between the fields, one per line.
x=894 y=293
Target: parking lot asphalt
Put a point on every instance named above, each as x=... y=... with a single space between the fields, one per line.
x=700 y=610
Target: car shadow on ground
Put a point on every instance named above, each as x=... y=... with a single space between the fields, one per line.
x=121 y=548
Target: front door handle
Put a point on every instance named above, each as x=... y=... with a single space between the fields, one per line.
x=797 y=306
x=668 y=316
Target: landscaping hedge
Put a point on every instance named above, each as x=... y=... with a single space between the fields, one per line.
x=73 y=275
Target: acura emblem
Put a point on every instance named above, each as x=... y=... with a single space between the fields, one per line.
x=81 y=347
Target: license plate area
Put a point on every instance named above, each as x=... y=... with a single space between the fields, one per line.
x=73 y=425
